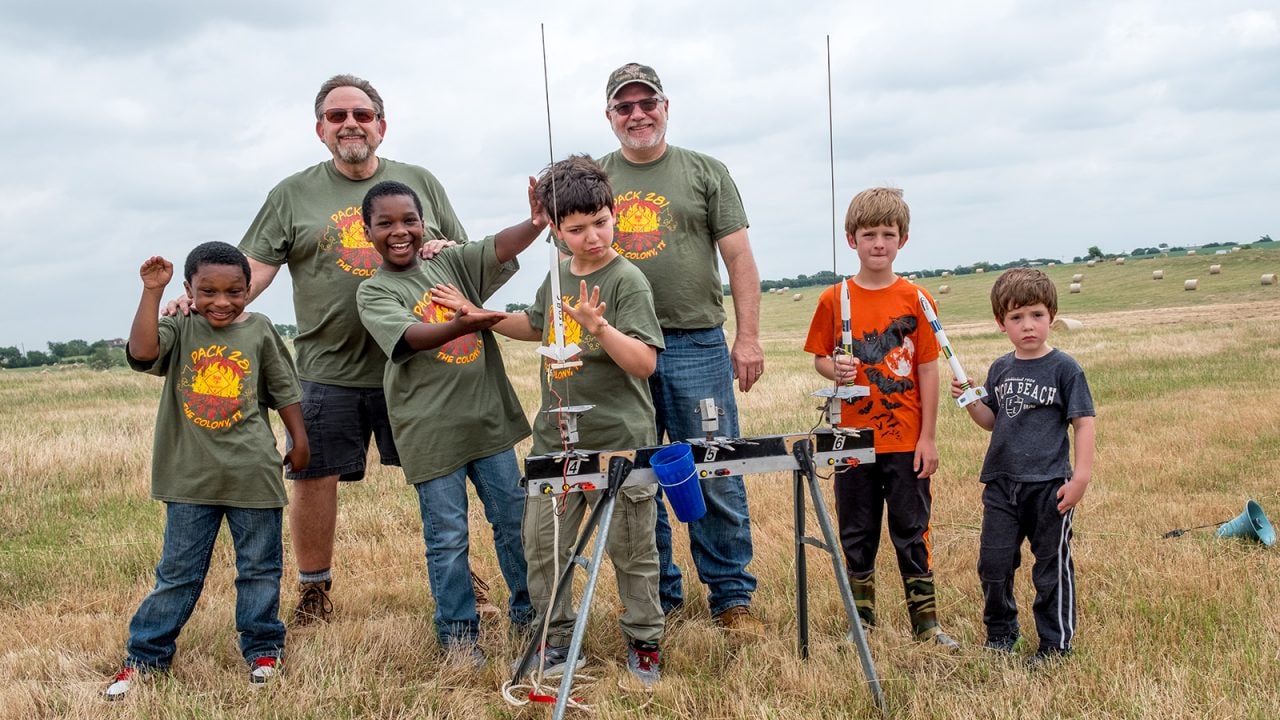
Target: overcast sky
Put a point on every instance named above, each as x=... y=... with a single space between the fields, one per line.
x=1017 y=129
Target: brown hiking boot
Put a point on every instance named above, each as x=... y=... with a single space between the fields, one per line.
x=314 y=604
x=738 y=619
x=485 y=609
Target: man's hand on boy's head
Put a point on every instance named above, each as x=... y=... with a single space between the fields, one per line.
x=448 y=295
x=589 y=313
x=156 y=272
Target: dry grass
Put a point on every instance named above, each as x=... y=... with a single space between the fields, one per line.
x=1189 y=414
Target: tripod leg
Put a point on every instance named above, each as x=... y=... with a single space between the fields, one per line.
x=802 y=574
x=804 y=457
x=605 y=509
x=563 y=585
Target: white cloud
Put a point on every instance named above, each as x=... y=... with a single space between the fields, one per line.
x=1016 y=128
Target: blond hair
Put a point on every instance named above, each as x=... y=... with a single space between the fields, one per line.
x=878 y=206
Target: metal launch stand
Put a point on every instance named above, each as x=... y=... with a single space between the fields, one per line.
x=576 y=470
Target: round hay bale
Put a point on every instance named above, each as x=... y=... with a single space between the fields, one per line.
x=913 y=277
x=1077 y=277
x=1074 y=288
x=1191 y=284
x=1235 y=248
x=1215 y=269
x=946 y=273
x=797 y=297
x=1091 y=263
x=1157 y=274
x=784 y=289
x=1051 y=264
x=944 y=289
x=1119 y=261
x=1066 y=323
x=1191 y=252
x=979 y=270
x=1269 y=279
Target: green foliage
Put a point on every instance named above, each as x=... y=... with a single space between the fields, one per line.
x=36 y=358
x=1265 y=238
x=287 y=331
x=12 y=357
x=105 y=358
x=1093 y=251
x=517 y=307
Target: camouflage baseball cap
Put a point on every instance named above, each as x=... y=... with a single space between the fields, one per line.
x=629 y=73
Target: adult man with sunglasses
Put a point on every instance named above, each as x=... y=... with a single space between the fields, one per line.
x=312 y=222
x=674 y=209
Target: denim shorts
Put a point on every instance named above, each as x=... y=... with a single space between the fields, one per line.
x=339 y=421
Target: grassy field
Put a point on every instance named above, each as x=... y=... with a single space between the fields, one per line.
x=1187 y=386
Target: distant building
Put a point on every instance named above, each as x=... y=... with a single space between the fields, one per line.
x=117 y=343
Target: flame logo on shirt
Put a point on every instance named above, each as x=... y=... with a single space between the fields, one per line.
x=346 y=237
x=638 y=228
x=458 y=351
x=212 y=394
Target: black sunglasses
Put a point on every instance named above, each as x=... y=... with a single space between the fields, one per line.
x=337 y=116
x=623 y=109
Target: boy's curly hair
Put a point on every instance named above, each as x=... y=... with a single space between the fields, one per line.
x=580 y=186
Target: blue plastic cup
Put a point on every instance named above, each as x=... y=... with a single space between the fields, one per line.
x=674 y=466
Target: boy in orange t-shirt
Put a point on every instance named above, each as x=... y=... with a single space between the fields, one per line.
x=895 y=353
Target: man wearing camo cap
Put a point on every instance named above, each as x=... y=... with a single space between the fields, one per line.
x=674 y=209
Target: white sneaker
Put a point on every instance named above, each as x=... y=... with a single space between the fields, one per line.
x=121 y=683
x=262 y=670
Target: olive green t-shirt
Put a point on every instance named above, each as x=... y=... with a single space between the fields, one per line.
x=213 y=439
x=669 y=214
x=453 y=404
x=623 y=415
x=312 y=222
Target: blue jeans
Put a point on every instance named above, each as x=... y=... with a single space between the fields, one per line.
x=695 y=365
x=189 y=534
x=443 y=504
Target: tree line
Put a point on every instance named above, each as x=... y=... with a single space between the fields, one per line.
x=99 y=355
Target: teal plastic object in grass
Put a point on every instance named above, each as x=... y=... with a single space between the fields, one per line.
x=1252 y=524
x=674 y=467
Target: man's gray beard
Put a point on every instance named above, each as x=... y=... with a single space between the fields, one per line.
x=353 y=153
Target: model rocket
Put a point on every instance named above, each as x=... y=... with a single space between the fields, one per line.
x=971 y=393
x=559 y=352
x=842 y=393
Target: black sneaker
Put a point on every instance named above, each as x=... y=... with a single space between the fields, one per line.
x=553 y=659
x=1002 y=643
x=1045 y=657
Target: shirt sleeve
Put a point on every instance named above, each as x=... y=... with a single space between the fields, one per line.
x=635 y=314
x=269 y=238
x=385 y=317
x=537 y=312
x=1076 y=391
x=821 y=339
x=725 y=213
x=280 y=377
x=168 y=338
